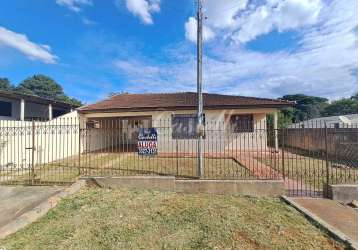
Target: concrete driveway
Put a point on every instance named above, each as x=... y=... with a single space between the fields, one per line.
x=17 y=200
x=341 y=219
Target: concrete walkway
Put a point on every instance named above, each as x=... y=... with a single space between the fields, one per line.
x=340 y=218
x=15 y=201
x=263 y=172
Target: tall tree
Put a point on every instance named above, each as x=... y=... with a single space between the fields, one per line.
x=46 y=87
x=5 y=84
x=42 y=86
x=307 y=107
x=343 y=106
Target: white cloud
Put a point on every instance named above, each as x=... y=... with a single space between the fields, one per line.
x=135 y=67
x=142 y=8
x=191 y=31
x=74 y=5
x=222 y=14
x=88 y=22
x=243 y=22
x=21 y=43
x=325 y=64
x=277 y=15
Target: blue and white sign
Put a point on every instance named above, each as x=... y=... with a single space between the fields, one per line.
x=147 y=142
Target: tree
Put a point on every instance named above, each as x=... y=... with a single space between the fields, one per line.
x=5 y=84
x=307 y=107
x=42 y=86
x=65 y=98
x=343 y=106
x=45 y=87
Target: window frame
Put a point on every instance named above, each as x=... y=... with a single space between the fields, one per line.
x=247 y=125
x=191 y=135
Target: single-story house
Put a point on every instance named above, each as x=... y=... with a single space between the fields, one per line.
x=230 y=120
x=20 y=107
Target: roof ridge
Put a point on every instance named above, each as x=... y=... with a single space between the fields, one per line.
x=205 y=93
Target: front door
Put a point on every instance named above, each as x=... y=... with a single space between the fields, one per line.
x=130 y=128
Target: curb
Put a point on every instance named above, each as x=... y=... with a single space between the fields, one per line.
x=39 y=211
x=321 y=223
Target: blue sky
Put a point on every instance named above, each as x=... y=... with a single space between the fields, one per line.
x=264 y=48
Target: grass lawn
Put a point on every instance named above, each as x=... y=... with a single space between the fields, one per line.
x=132 y=219
x=132 y=164
x=125 y=164
x=49 y=173
x=312 y=171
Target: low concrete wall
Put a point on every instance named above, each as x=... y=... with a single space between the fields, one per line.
x=143 y=182
x=259 y=188
x=343 y=193
x=243 y=187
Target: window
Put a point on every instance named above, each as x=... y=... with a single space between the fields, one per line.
x=184 y=126
x=242 y=123
x=93 y=124
x=5 y=109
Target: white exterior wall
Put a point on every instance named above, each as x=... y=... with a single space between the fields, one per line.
x=218 y=138
x=52 y=142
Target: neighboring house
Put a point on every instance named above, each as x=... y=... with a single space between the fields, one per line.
x=21 y=107
x=173 y=114
x=342 y=121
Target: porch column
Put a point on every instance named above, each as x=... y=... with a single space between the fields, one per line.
x=22 y=110
x=50 y=115
x=275 y=126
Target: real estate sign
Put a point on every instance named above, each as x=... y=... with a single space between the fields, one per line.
x=147 y=142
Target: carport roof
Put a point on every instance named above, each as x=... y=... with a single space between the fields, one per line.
x=179 y=101
x=35 y=99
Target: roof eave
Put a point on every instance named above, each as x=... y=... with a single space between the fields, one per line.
x=216 y=107
x=36 y=99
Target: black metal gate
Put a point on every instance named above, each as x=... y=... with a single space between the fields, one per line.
x=314 y=155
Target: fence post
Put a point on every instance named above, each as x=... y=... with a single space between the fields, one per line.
x=283 y=153
x=177 y=156
x=79 y=146
x=33 y=154
x=326 y=159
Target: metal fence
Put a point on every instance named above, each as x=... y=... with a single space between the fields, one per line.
x=111 y=148
x=315 y=154
x=39 y=152
x=59 y=151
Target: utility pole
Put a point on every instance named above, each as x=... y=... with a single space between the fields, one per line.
x=200 y=129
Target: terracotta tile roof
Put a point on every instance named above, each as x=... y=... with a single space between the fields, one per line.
x=178 y=101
